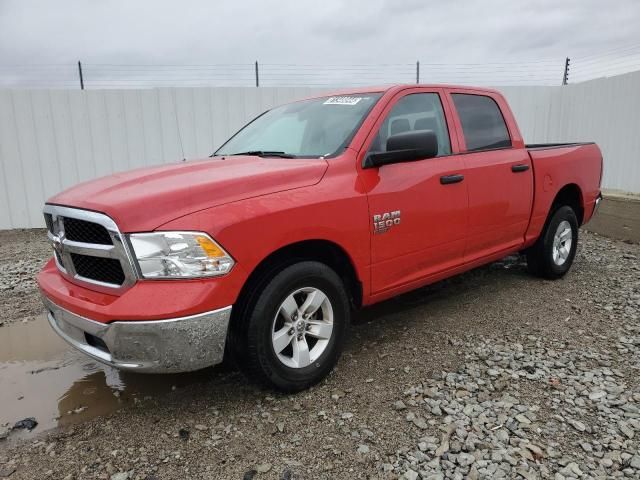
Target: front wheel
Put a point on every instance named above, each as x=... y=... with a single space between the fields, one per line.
x=292 y=335
x=553 y=253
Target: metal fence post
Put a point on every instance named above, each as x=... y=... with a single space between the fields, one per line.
x=418 y=71
x=80 y=73
x=257 y=75
x=565 y=77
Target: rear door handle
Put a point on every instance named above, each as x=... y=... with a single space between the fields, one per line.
x=519 y=168
x=448 y=179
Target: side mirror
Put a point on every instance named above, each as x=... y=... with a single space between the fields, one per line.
x=405 y=147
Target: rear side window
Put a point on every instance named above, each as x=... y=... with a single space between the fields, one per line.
x=482 y=122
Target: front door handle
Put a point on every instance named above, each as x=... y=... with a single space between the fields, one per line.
x=448 y=179
x=519 y=168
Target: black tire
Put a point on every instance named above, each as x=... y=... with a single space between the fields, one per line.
x=251 y=336
x=540 y=257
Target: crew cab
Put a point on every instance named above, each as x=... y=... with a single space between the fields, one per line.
x=313 y=209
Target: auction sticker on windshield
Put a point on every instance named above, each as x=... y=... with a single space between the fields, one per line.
x=342 y=100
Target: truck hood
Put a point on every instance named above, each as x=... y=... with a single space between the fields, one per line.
x=143 y=199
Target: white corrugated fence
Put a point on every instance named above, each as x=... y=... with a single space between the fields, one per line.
x=52 y=139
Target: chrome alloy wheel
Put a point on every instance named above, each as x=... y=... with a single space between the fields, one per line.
x=562 y=241
x=302 y=327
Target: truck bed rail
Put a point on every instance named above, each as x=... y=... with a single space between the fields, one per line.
x=539 y=146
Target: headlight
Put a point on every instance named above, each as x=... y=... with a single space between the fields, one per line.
x=179 y=255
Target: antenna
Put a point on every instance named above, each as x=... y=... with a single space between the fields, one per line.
x=175 y=111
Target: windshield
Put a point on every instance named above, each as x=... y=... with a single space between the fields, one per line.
x=319 y=127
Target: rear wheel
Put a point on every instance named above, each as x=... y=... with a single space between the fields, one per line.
x=291 y=335
x=553 y=253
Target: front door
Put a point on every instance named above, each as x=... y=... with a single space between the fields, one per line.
x=418 y=209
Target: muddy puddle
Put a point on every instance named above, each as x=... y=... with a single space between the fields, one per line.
x=42 y=377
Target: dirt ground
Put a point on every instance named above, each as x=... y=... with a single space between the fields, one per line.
x=491 y=374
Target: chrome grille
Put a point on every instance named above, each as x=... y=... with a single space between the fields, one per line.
x=48 y=219
x=89 y=248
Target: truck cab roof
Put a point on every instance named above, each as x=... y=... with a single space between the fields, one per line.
x=392 y=89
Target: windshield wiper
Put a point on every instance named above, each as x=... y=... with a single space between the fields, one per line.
x=264 y=153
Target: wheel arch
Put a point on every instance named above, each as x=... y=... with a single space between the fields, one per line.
x=323 y=251
x=570 y=195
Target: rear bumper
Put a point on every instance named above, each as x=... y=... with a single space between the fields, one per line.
x=597 y=204
x=591 y=208
x=160 y=346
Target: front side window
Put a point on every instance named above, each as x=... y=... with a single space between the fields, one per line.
x=417 y=111
x=483 y=125
x=319 y=127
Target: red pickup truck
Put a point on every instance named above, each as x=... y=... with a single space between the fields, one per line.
x=310 y=211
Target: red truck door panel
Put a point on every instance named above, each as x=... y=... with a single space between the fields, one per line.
x=500 y=187
x=499 y=177
x=419 y=220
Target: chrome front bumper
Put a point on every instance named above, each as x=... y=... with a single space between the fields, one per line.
x=159 y=346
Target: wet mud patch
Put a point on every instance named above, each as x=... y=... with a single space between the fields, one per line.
x=43 y=378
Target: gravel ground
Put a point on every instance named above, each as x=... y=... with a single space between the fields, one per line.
x=22 y=254
x=492 y=374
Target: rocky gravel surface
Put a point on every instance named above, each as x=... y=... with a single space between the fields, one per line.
x=492 y=374
x=22 y=255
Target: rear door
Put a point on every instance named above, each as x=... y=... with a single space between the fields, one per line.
x=418 y=209
x=498 y=173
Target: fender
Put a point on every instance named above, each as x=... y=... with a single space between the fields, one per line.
x=334 y=210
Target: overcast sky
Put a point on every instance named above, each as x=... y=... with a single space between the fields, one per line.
x=537 y=34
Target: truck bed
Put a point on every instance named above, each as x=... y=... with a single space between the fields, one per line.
x=576 y=165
